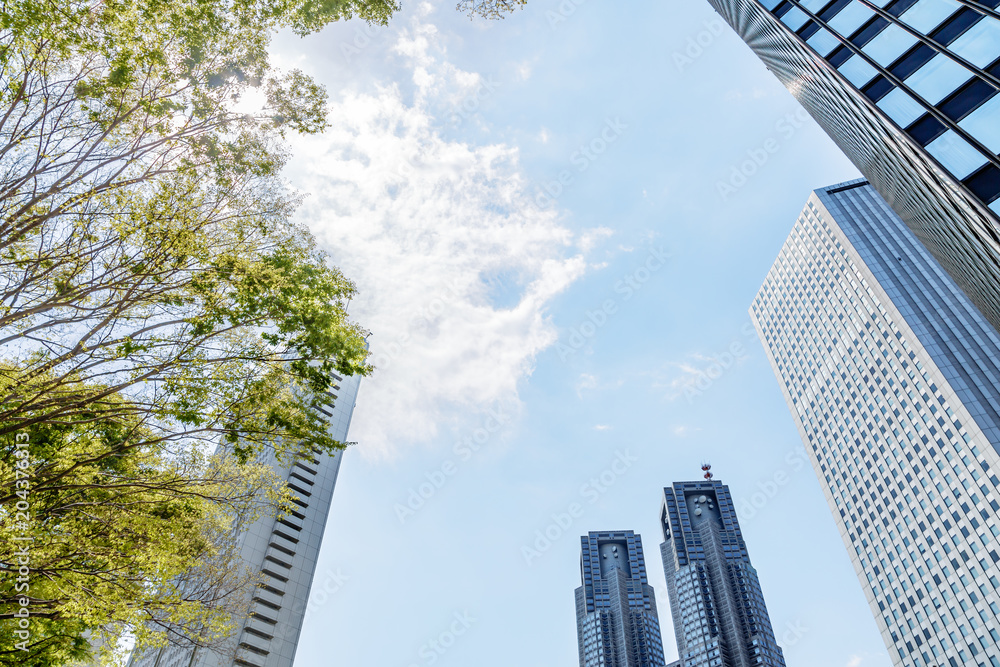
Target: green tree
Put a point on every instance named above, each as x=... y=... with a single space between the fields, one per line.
x=490 y=9
x=155 y=297
x=144 y=540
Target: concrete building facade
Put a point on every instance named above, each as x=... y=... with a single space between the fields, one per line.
x=285 y=551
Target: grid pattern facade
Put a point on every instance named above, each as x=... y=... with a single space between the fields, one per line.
x=285 y=551
x=908 y=90
x=616 y=619
x=893 y=378
x=720 y=619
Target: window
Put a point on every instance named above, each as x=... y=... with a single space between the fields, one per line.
x=889 y=44
x=967 y=98
x=809 y=30
x=955 y=26
x=857 y=71
x=984 y=124
x=833 y=9
x=938 y=78
x=877 y=89
x=823 y=42
x=985 y=183
x=924 y=131
x=850 y=18
x=914 y=59
x=926 y=15
x=980 y=44
x=795 y=18
x=871 y=29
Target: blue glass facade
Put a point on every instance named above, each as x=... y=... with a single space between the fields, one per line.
x=720 y=619
x=616 y=619
x=891 y=374
x=909 y=91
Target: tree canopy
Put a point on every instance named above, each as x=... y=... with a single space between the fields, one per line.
x=156 y=301
x=490 y=9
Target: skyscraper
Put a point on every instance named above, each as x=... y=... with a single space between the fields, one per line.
x=616 y=621
x=893 y=378
x=720 y=619
x=285 y=551
x=908 y=90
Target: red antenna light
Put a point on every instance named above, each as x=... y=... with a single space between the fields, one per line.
x=707 y=467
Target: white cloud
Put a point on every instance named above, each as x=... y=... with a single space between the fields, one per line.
x=693 y=374
x=455 y=266
x=524 y=71
x=602 y=427
x=588 y=382
x=854 y=661
x=591 y=237
x=683 y=431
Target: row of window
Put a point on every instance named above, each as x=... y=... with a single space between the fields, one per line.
x=785 y=290
x=931 y=78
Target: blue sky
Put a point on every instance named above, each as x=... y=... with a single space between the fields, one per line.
x=555 y=248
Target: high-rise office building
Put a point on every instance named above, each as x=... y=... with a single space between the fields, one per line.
x=285 y=551
x=908 y=90
x=893 y=378
x=720 y=619
x=616 y=621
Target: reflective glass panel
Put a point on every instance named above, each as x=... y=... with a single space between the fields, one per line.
x=795 y=18
x=850 y=18
x=857 y=71
x=980 y=44
x=935 y=80
x=813 y=5
x=956 y=154
x=928 y=14
x=900 y=107
x=889 y=44
x=984 y=124
x=823 y=42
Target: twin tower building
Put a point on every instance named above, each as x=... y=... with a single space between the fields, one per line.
x=715 y=598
